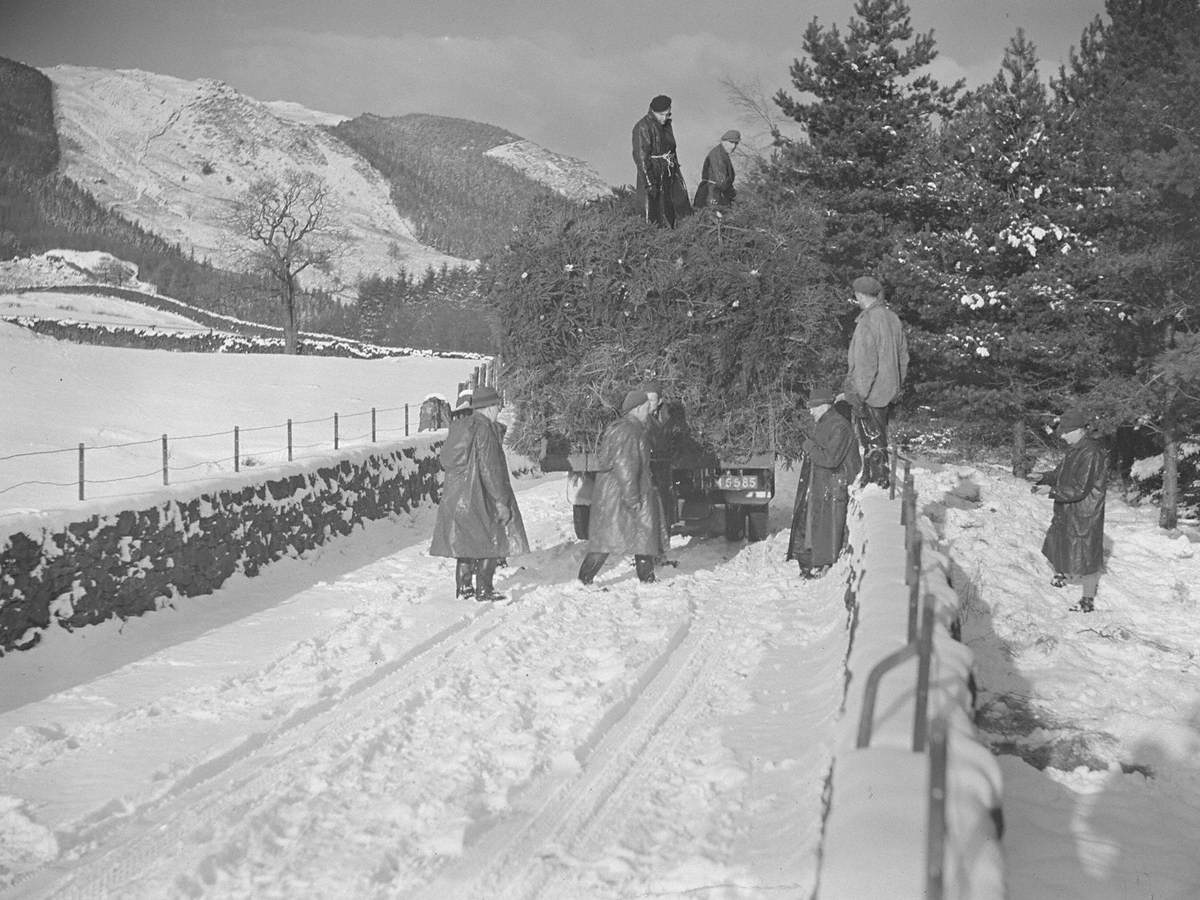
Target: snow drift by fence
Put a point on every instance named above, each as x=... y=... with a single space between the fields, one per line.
x=126 y=562
x=915 y=808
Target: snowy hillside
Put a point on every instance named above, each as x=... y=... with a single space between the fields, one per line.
x=572 y=178
x=171 y=155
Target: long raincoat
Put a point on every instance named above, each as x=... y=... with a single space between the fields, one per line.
x=1075 y=539
x=819 y=517
x=468 y=523
x=626 y=512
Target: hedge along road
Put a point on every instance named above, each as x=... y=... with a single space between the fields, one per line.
x=369 y=735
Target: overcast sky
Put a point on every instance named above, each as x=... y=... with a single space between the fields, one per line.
x=572 y=76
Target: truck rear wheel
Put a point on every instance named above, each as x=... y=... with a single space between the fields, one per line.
x=735 y=522
x=756 y=523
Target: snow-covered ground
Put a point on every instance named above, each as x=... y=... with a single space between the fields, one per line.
x=341 y=726
x=119 y=402
x=1098 y=715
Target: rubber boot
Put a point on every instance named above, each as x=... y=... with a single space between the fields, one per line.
x=645 y=568
x=591 y=565
x=484 y=573
x=464 y=570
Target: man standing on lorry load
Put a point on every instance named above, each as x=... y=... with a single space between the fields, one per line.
x=478 y=520
x=819 y=516
x=878 y=364
x=716 y=176
x=660 y=185
x=626 y=514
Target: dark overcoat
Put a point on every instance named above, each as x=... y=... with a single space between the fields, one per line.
x=1075 y=539
x=716 y=179
x=626 y=512
x=468 y=524
x=658 y=172
x=833 y=451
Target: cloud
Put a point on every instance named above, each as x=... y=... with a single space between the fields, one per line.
x=548 y=87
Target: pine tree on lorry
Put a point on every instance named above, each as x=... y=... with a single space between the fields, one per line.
x=733 y=313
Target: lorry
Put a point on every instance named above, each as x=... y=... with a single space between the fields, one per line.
x=702 y=493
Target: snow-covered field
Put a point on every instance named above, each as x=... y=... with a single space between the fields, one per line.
x=55 y=395
x=341 y=726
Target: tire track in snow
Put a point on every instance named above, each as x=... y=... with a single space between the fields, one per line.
x=567 y=814
x=231 y=786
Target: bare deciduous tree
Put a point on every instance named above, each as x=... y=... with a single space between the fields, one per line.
x=289 y=219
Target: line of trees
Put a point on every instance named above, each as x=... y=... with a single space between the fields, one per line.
x=1040 y=241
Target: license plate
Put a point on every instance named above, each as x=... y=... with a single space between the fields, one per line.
x=737 y=482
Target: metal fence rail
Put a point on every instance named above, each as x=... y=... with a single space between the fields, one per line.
x=927 y=737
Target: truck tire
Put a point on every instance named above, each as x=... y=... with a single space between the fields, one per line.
x=582 y=514
x=756 y=523
x=735 y=522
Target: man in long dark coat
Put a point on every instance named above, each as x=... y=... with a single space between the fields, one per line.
x=660 y=185
x=626 y=512
x=1074 y=542
x=478 y=520
x=716 y=177
x=819 y=516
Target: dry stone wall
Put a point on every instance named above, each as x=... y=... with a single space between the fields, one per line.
x=134 y=561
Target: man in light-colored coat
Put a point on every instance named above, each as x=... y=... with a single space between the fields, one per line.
x=626 y=512
x=478 y=520
x=877 y=366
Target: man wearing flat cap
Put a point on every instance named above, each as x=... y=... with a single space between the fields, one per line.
x=660 y=186
x=1074 y=543
x=716 y=177
x=830 y=463
x=626 y=513
x=877 y=363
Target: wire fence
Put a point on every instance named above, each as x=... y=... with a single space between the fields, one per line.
x=88 y=470
x=52 y=478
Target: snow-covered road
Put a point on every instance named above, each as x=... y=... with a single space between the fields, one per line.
x=341 y=726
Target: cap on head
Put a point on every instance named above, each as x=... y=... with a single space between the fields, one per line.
x=464 y=399
x=820 y=396
x=484 y=397
x=865 y=284
x=732 y=135
x=1072 y=419
x=633 y=400
x=661 y=103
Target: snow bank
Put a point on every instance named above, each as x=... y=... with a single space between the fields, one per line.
x=878 y=824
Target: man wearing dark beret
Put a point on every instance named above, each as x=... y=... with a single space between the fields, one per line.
x=660 y=185
x=877 y=363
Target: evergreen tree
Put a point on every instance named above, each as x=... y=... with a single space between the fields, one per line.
x=999 y=333
x=1131 y=91
x=865 y=130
